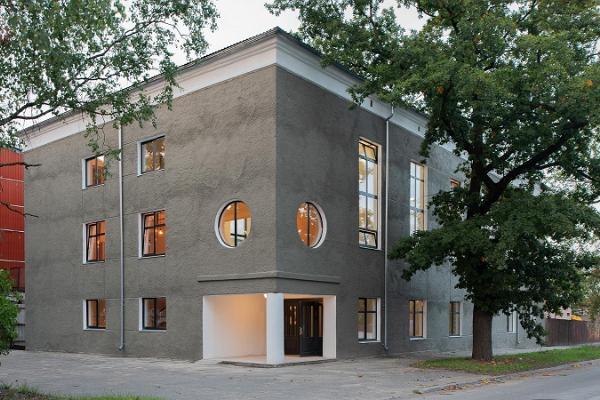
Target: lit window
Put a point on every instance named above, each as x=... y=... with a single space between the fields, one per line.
x=454 y=318
x=154 y=234
x=454 y=184
x=95 y=312
x=94 y=171
x=416 y=318
x=154 y=313
x=367 y=319
x=153 y=154
x=368 y=194
x=234 y=223
x=309 y=224
x=96 y=239
x=417 y=197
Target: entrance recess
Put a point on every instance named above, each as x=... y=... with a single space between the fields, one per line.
x=303 y=327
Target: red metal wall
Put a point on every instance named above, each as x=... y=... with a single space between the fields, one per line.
x=12 y=221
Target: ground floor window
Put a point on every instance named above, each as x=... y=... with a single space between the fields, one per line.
x=154 y=313
x=416 y=318
x=511 y=322
x=455 y=318
x=95 y=314
x=367 y=319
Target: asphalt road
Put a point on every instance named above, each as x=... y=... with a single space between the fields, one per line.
x=575 y=383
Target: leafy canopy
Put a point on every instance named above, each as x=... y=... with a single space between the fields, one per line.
x=8 y=312
x=514 y=87
x=60 y=55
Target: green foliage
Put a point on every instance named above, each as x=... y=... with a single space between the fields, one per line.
x=517 y=362
x=8 y=312
x=77 y=55
x=514 y=87
x=27 y=393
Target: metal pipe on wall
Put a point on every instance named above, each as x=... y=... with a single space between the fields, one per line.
x=122 y=246
x=385 y=247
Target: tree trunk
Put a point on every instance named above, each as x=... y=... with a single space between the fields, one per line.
x=482 y=335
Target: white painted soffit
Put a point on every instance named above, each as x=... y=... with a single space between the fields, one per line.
x=272 y=50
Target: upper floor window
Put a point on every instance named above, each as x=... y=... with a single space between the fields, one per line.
x=454 y=184
x=416 y=318
x=95 y=241
x=417 y=197
x=368 y=194
x=235 y=222
x=154 y=313
x=153 y=154
x=94 y=171
x=154 y=234
x=309 y=224
x=454 y=318
x=95 y=314
x=367 y=319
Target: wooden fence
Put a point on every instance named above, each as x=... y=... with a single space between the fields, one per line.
x=564 y=332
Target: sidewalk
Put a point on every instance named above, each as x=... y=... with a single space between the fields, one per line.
x=78 y=374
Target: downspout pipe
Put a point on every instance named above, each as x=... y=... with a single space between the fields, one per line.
x=387 y=218
x=121 y=244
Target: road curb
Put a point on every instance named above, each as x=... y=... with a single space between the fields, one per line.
x=502 y=378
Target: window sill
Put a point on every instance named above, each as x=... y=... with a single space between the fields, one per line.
x=92 y=186
x=369 y=341
x=94 y=262
x=156 y=256
x=416 y=339
x=141 y=173
x=95 y=329
x=153 y=330
x=455 y=336
x=369 y=248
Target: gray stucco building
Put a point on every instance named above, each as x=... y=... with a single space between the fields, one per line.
x=230 y=230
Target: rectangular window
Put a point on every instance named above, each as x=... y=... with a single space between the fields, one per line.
x=94 y=171
x=454 y=312
x=454 y=184
x=511 y=322
x=95 y=314
x=417 y=197
x=367 y=319
x=154 y=234
x=368 y=194
x=153 y=154
x=154 y=313
x=416 y=318
x=96 y=239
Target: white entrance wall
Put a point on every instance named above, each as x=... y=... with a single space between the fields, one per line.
x=234 y=326
x=252 y=325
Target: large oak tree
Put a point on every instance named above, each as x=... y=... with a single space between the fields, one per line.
x=514 y=86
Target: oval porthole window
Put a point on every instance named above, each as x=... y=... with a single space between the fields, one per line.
x=310 y=225
x=235 y=222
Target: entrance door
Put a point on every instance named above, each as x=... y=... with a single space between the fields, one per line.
x=303 y=327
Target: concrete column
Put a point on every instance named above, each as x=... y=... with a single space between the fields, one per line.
x=275 y=351
x=329 y=326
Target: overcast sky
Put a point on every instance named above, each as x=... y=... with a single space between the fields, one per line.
x=241 y=19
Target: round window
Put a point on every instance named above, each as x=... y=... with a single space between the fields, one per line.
x=234 y=223
x=309 y=224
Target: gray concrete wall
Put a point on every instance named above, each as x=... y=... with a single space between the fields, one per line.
x=219 y=146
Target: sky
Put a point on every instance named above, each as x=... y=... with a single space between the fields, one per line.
x=241 y=19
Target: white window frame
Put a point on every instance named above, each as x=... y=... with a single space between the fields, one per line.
x=379 y=192
x=84 y=174
x=140 y=153
x=425 y=194
x=85 y=325
x=85 y=239
x=141 y=233
x=460 y=322
x=141 y=315
x=379 y=321
x=424 y=319
x=514 y=318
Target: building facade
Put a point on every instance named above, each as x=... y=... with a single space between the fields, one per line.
x=249 y=223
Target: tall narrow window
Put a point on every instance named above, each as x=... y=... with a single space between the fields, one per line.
x=153 y=154
x=368 y=194
x=154 y=234
x=309 y=224
x=454 y=315
x=95 y=314
x=96 y=239
x=154 y=313
x=416 y=318
x=235 y=222
x=417 y=197
x=367 y=319
x=511 y=322
x=94 y=171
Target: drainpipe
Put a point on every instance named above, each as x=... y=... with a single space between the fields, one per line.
x=385 y=248
x=122 y=247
